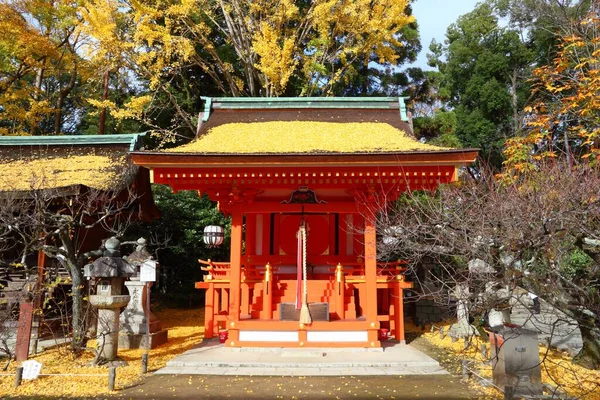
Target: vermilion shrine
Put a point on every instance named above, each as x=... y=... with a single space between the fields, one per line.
x=303 y=179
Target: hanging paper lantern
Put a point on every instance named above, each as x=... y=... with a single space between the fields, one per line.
x=213 y=235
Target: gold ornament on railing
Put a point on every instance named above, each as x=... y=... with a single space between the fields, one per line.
x=339 y=275
x=268 y=277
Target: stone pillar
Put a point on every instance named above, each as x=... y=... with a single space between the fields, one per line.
x=109 y=300
x=133 y=318
x=462 y=328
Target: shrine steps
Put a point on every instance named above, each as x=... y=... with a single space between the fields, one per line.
x=212 y=358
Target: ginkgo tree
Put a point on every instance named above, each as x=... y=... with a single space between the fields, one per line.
x=39 y=64
x=243 y=47
x=272 y=40
x=107 y=49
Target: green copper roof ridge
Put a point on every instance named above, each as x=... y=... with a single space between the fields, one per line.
x=239 y=103
x=306 y=102
x=133 y=139
x=303 y=99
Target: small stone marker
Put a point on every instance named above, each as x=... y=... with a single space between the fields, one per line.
x=31 y=369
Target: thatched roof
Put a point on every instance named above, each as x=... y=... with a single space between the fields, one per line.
x=304 y=137
x=304 y=126
x=60 y=162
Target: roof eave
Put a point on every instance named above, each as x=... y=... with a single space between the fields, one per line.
x=133 y=140
x=162 y=159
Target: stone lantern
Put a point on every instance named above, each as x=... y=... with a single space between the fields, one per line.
x=135 y=330
x=110 y=271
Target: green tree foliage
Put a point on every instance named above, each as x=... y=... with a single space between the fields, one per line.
x=484 y=70
x=563 y=118
x=177 y=240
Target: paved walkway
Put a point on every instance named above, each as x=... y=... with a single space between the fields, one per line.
x=213 y=358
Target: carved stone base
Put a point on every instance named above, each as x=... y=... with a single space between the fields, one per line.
x=138 y=341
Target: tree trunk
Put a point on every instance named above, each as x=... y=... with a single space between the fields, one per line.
x=78 y=323
x=515 y=103
x=590 y=333
x=365 y=76
x=102 y=127
x=62 y=95
x=58 y=114
x=77 y=291
x=39 y=78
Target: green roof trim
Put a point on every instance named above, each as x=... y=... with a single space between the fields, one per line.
x=403 y=114
x=207 y=106
x=133 y=139
x=306 y=102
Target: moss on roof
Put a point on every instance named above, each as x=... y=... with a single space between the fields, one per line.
x=102 y=172
x=283 y=137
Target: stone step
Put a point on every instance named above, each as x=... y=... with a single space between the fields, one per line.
x=303 y=371
x=303 y=364
x=213 y=358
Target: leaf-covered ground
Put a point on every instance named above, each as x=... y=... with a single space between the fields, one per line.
x=558 y=368
x=185 y=330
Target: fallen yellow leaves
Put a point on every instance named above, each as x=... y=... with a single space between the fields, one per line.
x=558 y=368
x=281 y=137
x=185 y=330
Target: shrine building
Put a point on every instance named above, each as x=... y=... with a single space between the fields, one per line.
x=303 y=180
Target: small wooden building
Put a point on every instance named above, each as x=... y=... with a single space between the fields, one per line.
x=303 y=180
x=62 y=167
x=65 y=166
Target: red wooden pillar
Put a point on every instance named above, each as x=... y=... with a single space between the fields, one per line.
x=267 y=309
x=245 y=309
x=397 y=314
x=249 y=250
x=370 y=310
x=217 y=307
x=209 y=311
x=235 y=274
x=24 y=330
x=399 y=319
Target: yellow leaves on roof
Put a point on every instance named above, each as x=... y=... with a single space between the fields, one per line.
x=282 y=137
x=95 y=171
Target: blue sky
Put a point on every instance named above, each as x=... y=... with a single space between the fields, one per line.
x=433 y=17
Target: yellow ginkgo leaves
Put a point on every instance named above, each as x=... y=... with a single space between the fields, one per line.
x=281 y=137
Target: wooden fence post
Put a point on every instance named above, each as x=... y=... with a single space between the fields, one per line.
x=112 y=377
x=18 y=377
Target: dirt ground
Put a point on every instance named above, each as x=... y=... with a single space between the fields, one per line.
x=265 y=387
x=159 y=387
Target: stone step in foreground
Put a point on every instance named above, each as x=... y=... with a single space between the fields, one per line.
x=303 y=371
x=212 y=358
